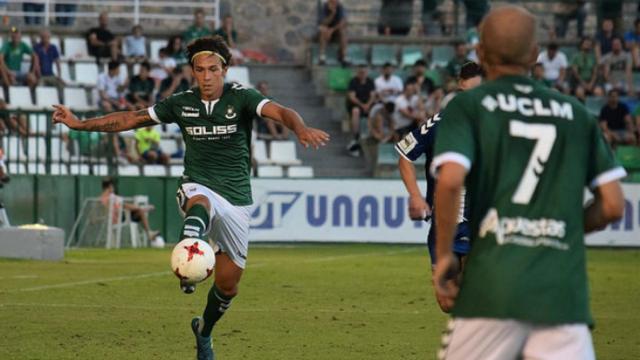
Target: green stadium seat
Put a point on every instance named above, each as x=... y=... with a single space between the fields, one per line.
x=435 y=77
x=633 y=177
x=629 y=157
x=440 y=55
x=357 y=54
x=411 y=54
x=636 y=80
x=338 y=78
x=569 y=51
x=387 y=154
x=594 y=104
x=331 y=55
x=381 y=54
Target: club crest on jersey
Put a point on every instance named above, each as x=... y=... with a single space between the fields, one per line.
x=230 y=113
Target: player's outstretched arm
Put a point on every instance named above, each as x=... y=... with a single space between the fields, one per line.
x=606 y=207
x=288 y=117
x=114 y=122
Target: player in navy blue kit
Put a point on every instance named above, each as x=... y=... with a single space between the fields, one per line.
x=421 y=141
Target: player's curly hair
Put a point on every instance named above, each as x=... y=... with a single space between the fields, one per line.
x=214 y=43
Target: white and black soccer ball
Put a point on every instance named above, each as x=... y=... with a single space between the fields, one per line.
x=192 y=261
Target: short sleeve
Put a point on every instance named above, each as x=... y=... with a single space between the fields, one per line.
x=254 y=101
x=26 y=48
x=162 y=111
x=415 y=143
x=455 y=141
x=55 y=53
x=352 y=85
x=603 y=167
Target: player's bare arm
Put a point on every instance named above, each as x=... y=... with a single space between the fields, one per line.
x=291 y=119
x=114 y=122
x=607 y=206
x=418 y=207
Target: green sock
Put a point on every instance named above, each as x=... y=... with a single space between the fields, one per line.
x=217 y=304
x=195 y=222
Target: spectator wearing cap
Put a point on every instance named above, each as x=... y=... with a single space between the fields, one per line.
x=361 y=96
x=469 y=76
x=615 y=121
x=48 y=55
x=12 y=53
x=459 y=58
x=333 y=24
x=388 y=86
x=111 y=88
x=617 y=69
x=101 y=42
x=555 y=65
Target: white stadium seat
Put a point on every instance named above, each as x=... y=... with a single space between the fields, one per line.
x=66 y=72
x=239 y=74
x=13 y=148
x=283 y=153
x=272 y=171
x=168 y=146
x=17 y=169
x=87 y=74
x=76 y=99
x=300 y=172
x=76 y=48
x=128 y=170
x=36 y=168
x=20 y=98
x=260 y=152
x=38 y=123
x=154 y=47
x=59 y=150
x=36 y=148
x=47 y=96
x=176 y=170
x=54 y=40
x=59 y=169
x=79 y=169
x=100 y=170
x=154 y=170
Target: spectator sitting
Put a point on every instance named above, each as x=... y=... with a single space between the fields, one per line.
x=395 y=17
x=175 y=50
x=198 y=29
x=229 y=34
x=360 y=97
x=584 y=68
x=165 y=66
x=266 y=128
x=616 y=122
x=567 y=10
x=424 y=85
x=604 y=39
x=460 y=58
x=555 y=65
x=537 y=74
x=111 y=88
x=141 y=88
x=180 y=80
x=101 y=42
x=406 y=115
x=617 y=68
x=472 y=39
x=388 y=85
x=380 y=123
x=48 y=54
x=148 y=146
x=135 y=50
x=90 y=143
x=333 y=23
x=11 y=67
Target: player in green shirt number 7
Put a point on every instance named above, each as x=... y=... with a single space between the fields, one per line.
x=526 y=153
x=215 y=194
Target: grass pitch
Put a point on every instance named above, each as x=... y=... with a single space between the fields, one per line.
x=296 y=302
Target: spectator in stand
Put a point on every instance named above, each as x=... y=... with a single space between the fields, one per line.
x=148 y=146
x=472 y=39
x=388 y=86
x=395 y=17
x=175 y=50
x=406 y=115
x=617 y=69
x=101 y=42
x=4 y=177
x=333 y=24
x=69 y=19
x=566 y=10
x=141 y=88
x=424 y=86
x=48 y=55
x=555 y=66
x=604 y=39
x=459 y=58
x=266 y=128
x=361 y=96
x=111 y=89
x=380 y=122
x=165 y=67
x=584 y=69
x=33 y=7
x=180 y=80
x=135 y=46
x=611 y=9
x=632 y=43
x=230 y=36
x=469 y=76
x=11 y=67
x=198 y=29
x=616 y=122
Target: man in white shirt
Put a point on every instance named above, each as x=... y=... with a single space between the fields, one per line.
x=388 y=85
x=555 y=65
x=111 y=89
x=406 y=115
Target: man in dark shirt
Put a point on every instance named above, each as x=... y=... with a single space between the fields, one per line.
x=604 y=39
x=616 y=122
x=460 y=58
x=360 y=97
x=425 y=85
x=333 y=24
x=141 y=87
x=178 y=81
x=101 y=42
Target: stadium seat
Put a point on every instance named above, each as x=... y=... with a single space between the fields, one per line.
x=59 y=169
x=283 y=153
x=357 y=54
x=270 y=171
x=13 y=148
x=411 y=54
x=387 y=154
x=76 y=49
x=569 y=51
x=176 y=170
x=381 y=54
x=170 y=130
x=124 y=72
x=440 y=55
x=435 y=77
x=54 y=40
x=38 y=123
x=79 y=169
x=36 y=168
x=168 y=146
x=154 y=47
x=66 y=72
x=300 y=172
x=154 y=170
x=76 y=99
x=239 y=74
x=331 y=55
x=100 y=170
x=46 y=97
x=629 y=157
x=87 y=74
x=260 y=152
x=128 y=170
x=36 y=148
x=59 y=150
x=339 y=78
x=594 y=104
x=17 y=169
x=20 y=98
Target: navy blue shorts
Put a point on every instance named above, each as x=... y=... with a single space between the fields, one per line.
x=461 y=243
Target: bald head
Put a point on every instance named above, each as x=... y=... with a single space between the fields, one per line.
x=507 y=38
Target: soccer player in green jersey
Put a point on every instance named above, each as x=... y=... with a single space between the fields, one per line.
x=214 y=194
x=525 y=154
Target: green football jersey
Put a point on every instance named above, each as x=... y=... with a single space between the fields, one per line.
x=217 y=135
x=530 y=152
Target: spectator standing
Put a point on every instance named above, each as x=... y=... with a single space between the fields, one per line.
x=333 y=24
x=388 y=86
x=395 y=17
x=616 y=122
x=361 y=96
x=141 y=88
x=566 y=10
x=266 y=128
x=48 y=55
x=230 y=36
x=459 y=58
x=12 y=53
x=198 y=29
x=135 y=50
x=604 y=39
x=111 y=88
x=617 y=69
x=584 y=68
x=101 y=42
x=555 y=65
x=148 y=146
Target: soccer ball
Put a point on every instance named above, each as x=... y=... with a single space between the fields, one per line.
x=192 y=260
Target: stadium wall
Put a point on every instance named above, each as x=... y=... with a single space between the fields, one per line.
x=325 y=210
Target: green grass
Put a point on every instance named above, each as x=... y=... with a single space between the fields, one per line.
x=296 y=302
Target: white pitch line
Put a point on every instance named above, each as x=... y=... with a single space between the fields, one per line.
x=88 y=282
